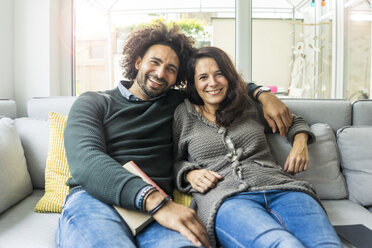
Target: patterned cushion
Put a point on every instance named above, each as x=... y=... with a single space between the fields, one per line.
x=56 y=171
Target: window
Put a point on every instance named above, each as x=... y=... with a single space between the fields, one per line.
x=357 y=77
x=292 y=46
x=101 y=27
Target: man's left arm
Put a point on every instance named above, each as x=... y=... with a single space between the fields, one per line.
x=276 y=113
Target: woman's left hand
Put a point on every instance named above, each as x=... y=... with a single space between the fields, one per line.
x=298 y=158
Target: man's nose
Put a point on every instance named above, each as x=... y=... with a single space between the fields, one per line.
x=160 y=72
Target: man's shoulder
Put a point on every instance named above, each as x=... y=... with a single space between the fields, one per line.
x=94 y=101
x=176 y=95
x=97 y=96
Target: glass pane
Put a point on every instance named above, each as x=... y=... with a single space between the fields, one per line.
x=101 y=27
x=358 y=18
x=292 y=46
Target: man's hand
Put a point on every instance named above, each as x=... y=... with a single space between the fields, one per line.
x=178 y=218
x=276 y=113
x=203 y=180
x=298 y=158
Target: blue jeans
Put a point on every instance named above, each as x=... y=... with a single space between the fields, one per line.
x=88 y=222
x=274 y=219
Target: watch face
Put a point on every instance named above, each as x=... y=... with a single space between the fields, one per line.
x=264 y=88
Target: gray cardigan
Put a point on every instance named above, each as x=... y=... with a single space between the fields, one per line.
x=199 y=144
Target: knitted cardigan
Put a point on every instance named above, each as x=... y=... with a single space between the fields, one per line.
x=200 y=144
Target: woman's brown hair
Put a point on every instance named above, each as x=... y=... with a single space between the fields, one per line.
x=236 y=98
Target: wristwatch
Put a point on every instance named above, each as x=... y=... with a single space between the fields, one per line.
x=260 y=90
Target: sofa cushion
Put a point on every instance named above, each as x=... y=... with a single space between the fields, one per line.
x=347 y=212
x=324 y=164
x=56 y=171
x=356 y=161
x=15 y=182
x=34 y=136
x=21 y=227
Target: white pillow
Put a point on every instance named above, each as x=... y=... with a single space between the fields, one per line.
x=15 y=181
x=324 y=164
x=354 y=143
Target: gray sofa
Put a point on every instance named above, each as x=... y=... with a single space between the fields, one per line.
x=340 y=164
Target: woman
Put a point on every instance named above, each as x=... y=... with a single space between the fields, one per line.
x=222 y=158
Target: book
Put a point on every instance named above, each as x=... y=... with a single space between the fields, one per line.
x=135 y=219
x=355 y=235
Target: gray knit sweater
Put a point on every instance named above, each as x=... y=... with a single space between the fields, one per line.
x=199 y=144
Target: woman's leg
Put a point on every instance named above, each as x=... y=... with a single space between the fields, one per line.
x=88 y=222
x=304 y=217
x=243 y=221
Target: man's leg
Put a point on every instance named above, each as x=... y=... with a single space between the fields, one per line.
x=304 y=217
x=243 y=221
x=88 y=222
x=156 y=235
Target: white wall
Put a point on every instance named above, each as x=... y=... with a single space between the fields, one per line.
x=39 y=27
x=6 y=49
x=271 y=52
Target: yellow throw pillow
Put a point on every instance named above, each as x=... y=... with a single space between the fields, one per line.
x=182 y=198
x=56 y=170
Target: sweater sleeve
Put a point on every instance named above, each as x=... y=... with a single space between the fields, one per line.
x=251 y=88
x=181 y=165
x=90 y=165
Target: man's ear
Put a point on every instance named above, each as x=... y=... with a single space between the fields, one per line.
x=138 y=63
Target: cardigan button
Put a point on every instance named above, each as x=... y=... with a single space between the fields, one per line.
x=221 y=130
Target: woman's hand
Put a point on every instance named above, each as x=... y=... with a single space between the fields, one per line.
x=203 y=180
x=298 y=158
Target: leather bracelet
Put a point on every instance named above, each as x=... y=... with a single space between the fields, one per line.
x=160 y=205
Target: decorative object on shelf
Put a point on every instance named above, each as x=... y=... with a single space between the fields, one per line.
x=323 y=3
x=312 y=4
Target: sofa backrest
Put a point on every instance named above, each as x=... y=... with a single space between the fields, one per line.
x=362 y=112
x=8 y=108
x=34 y=133
x=39 y=107
x=336 y=113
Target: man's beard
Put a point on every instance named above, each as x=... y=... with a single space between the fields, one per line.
x=147 y=90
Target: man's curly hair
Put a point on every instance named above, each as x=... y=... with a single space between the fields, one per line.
x=141 y=39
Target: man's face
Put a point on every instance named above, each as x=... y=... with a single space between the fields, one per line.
x=157 y=72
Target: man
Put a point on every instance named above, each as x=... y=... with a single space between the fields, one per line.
x=133 y=122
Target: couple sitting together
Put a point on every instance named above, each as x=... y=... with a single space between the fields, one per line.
x=207 y=139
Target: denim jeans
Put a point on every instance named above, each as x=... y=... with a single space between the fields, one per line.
x=274 y=219
x=88 y=222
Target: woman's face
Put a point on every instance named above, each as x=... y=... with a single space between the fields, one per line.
x=210 y=83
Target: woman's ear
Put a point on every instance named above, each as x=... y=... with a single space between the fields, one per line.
x=138 y=63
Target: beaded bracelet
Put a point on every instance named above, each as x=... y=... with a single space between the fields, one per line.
x=160 y=205
x=143 y=196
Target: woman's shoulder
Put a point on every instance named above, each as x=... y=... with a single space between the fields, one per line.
x=185 y=108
